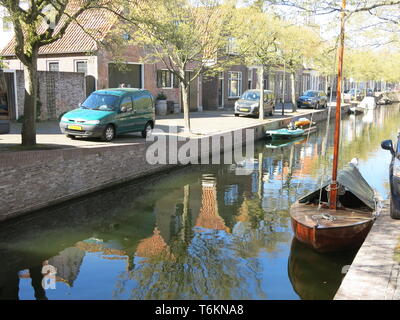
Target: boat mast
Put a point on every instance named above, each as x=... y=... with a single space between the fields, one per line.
x=334 y=184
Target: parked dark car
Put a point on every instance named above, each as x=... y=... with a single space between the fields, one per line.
x=394 y=177
x=249 y=103
x=313 y=99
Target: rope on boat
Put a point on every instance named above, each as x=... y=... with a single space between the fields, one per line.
x=324 y=216
x=340 y=190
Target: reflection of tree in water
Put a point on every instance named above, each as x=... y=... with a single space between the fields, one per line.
x=209 y=268
x=258 y=230
x=200 y=262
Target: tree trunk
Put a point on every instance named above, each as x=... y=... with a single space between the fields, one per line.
x=261 y=86
x=185 y=101
x=30 y=104
x=293 y=84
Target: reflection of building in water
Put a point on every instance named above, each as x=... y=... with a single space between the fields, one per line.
x=208 y=217
x=91 y=245
x=67 y=263
x=153 y=246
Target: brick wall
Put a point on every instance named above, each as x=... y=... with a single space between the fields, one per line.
x=31 y=180
x=58 y=92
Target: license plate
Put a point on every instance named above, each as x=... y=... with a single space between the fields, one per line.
x=306 y=102
x=243 y=109
x=75 y=127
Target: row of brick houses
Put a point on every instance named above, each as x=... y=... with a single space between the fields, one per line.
x=79 y=52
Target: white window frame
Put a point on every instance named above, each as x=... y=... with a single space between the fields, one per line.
x=53 y=61
x=76 y=65
x=240 y=84
x=172 y=79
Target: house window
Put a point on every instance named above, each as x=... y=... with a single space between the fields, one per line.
x=54 y=66
x=81 y=66
x=234 y=84
x=165 y=79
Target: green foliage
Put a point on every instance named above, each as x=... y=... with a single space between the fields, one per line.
x=2 y=63
x=257 y=37
x=363 y=65
x=300 y=46
x=161 y=96
x=179 y=34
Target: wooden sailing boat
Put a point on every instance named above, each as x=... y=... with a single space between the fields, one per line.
x=340 y=214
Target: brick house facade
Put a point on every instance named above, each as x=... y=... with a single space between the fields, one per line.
x=78 y=52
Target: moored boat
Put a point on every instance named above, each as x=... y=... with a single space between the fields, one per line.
x=285 y=133
x=289 y=133
x=346 y=227
x=339 y=215
x=303 y=123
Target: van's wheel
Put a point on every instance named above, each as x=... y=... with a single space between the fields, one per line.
x=71 y=136
x=147 y=130
x=394 y=213
x=108 y=133
x=236 y=115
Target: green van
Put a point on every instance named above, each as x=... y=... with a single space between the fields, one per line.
x=109 y=112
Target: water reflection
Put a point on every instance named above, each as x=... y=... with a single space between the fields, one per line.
x=203 y=232
x=317 y=276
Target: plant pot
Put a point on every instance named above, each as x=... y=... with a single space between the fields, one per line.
x=161 y=107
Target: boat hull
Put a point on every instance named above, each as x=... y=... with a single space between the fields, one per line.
x=286 y=134
x=331 y=238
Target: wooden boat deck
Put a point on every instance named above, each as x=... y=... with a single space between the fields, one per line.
x=304 y=214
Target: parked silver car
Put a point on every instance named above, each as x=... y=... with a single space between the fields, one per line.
x=313 y=99
x=249 y=103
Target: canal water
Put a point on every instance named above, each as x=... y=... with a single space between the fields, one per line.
x=200 y=232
